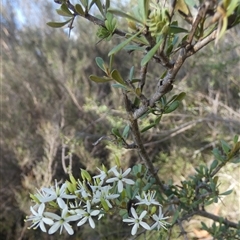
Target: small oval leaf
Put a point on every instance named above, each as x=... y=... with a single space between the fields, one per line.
x=117 y=77
x=173 y=106
x=99 y=79
x=79 y=9
x=100 y=63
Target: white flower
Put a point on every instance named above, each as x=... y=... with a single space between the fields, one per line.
x=103 y=193
x=148 y=199
x=82 y=190
x=62 y=221
x=41 y=195
x=38 y=218
x=57 y=194
x=159 y=220
x=87 y=215
x=120 y=178
x=102 y=175
x=137 y=221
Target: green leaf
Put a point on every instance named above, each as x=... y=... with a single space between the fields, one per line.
x=79 y=9
x=148 y=127
x=116 y=132
x=151 y=53
x=65 y=10
x=134 y=48
x=100 y=79
x=99 y=6
x=227 y=192
x=85 y=3
x=213 y=165
x=58 y=24
x=175 y=29
x=181 y=96
x=100 y=63
x=175 y=216
x=237 y=160
x=226 y=148
x=217 y=154
x=124 y=15
x=131 y=73
x=235 y=139
x=173 y=106
x=117 y=77
x=126 y=132
x=157 y=120
x=143 y=6
x=117 y=85
x=123 y=44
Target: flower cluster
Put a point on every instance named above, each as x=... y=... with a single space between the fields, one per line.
x=82 y=201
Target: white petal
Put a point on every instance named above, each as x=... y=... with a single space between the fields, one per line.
x=120 y=186
x=143 y=214
x=54 y=228
x=128 y=181
x=68 y=228
x=116 y=173
x=145 y=225
x=126 y=172
x=155 y=225
x=129 y=220
x=72 y=218
x=41 y=209
x=82 y=221
x=48 y=221
x=95 y=212
x=110 y=180
x=134 y=229
x=42 y=227
x=91 y=222
x=33 y=211
x=52 y=215
x=61 y=203
x=134 y=213
x=155 y=217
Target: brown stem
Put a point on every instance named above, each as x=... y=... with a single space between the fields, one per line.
x=217 y=218
x=138 y=141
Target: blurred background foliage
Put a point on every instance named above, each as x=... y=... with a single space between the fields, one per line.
x=51 y=114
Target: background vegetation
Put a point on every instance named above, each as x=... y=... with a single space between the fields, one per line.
x=51 y=114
